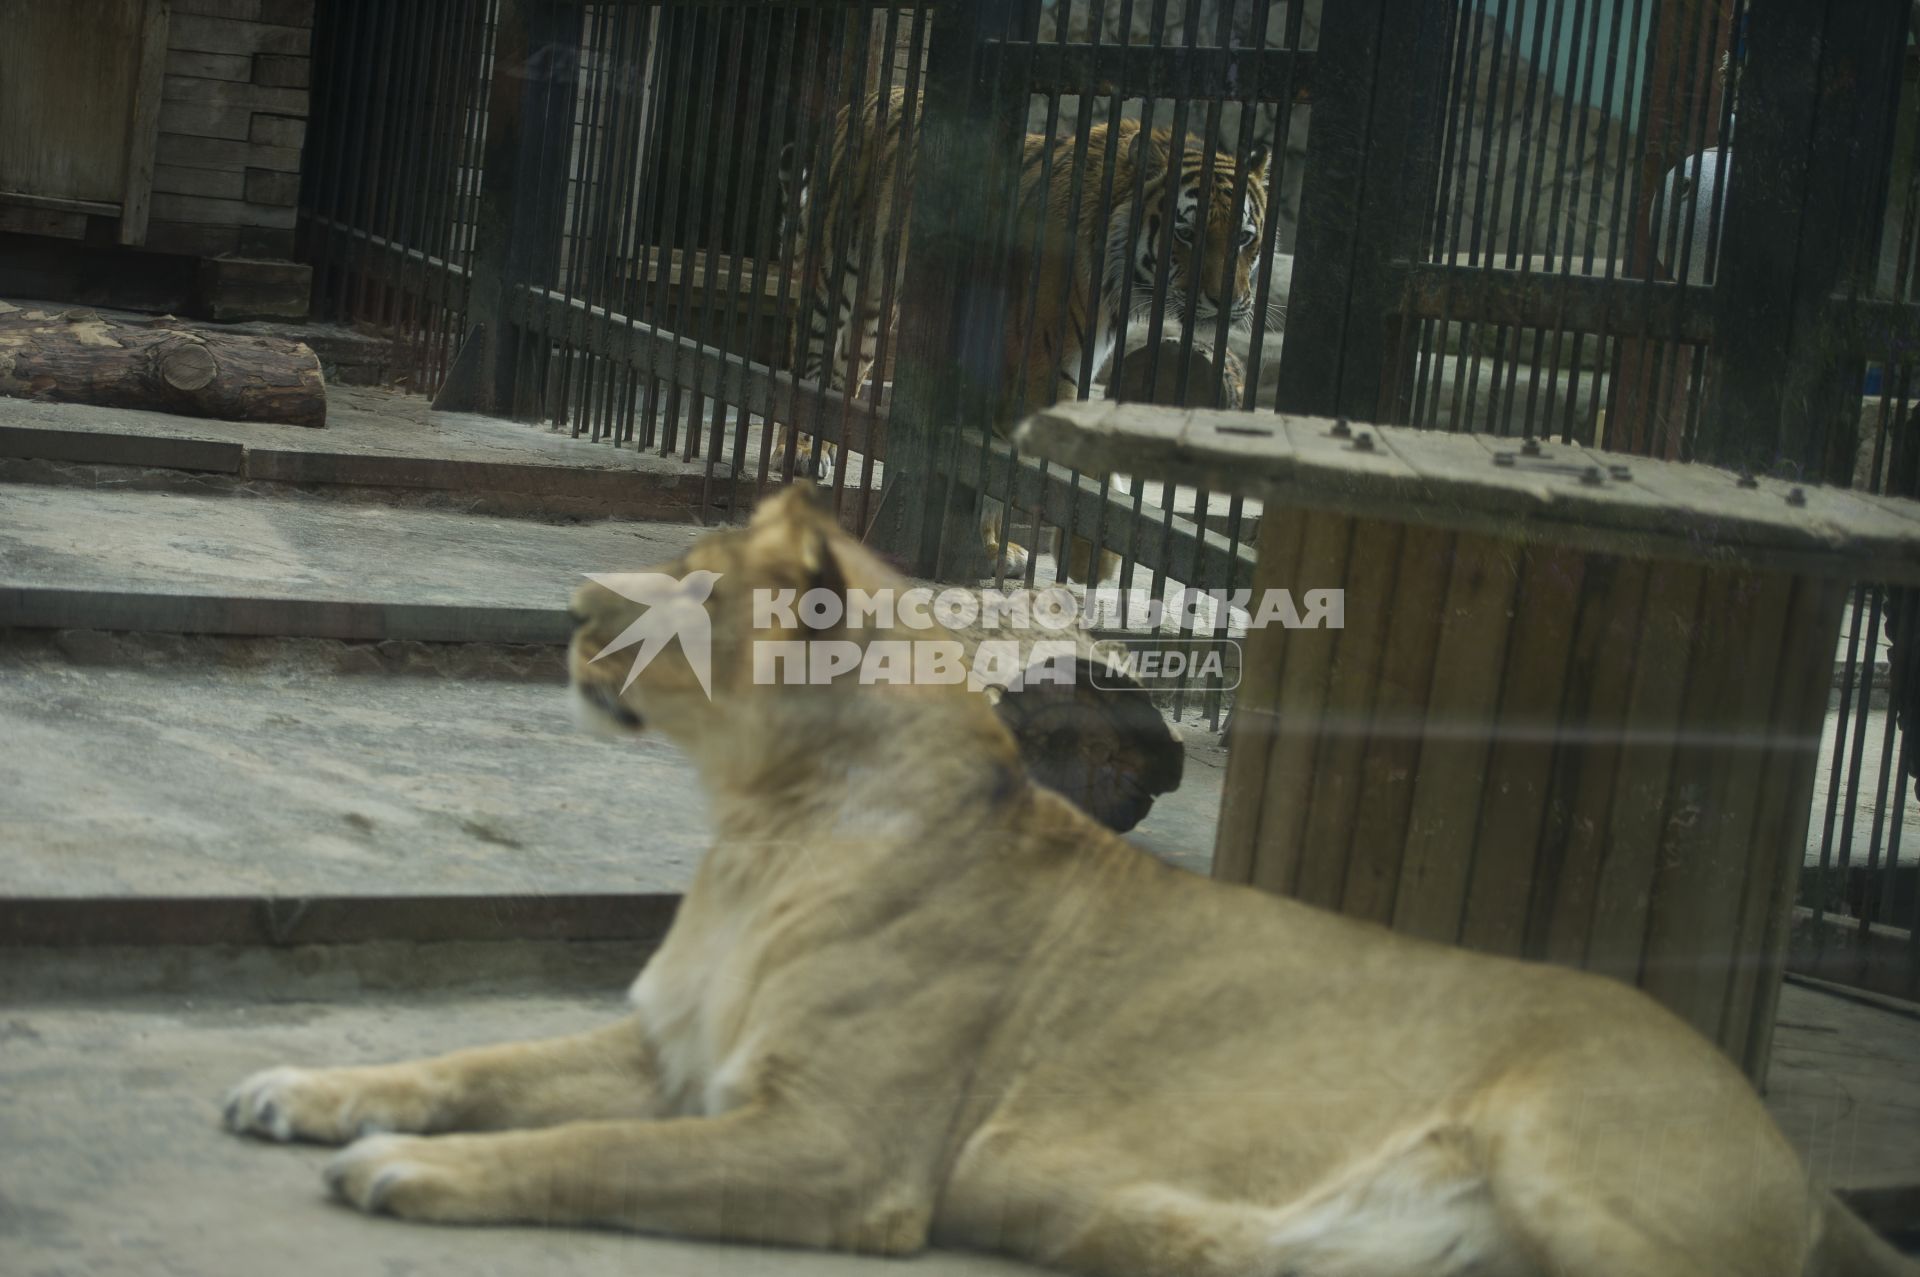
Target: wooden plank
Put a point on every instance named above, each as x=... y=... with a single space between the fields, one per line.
x=218 y=212
x=1599 y=681
x=1813 y=627
x=1507 y=848
x=201 y=34
x=1461 y=704
x=67 y=73
x=1255 y=716
x=255 y=97
x=197 y=119
x=265 y=241
x=1569 y=495
x=1742 y=864
x=56 y=223
x=205 y=182
x=1637 y=813
x=1326 y=849
x=239 y=10
x=1387 y=772
x=1803 y=676
x=225 y=153
x=277 y=131
x=233 y=288
x=56 y=204
x=266 y=187
x=1298 y=725
x=1317 y=457
x=282 y=70
x=197 y=239
x=287 y=13
x=210 y=66
x=1690 y=874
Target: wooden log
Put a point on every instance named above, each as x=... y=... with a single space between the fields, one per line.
x=1097 y=739
x=79 y=357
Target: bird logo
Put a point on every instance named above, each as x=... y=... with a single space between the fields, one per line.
x=676 y=607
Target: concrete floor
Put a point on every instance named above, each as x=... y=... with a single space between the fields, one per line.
x=1844 y=1084
x=117 y=1164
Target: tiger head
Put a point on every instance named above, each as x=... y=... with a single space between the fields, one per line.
x=1215 y=249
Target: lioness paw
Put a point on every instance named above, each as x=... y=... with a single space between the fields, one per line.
x=409 y=1176
x=327 y=1106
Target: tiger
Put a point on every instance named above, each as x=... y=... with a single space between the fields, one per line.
x=1211 y=257
x=867 y=174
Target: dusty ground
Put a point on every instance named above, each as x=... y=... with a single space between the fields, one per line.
x=118 y=1166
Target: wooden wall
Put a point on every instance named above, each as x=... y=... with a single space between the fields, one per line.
x=233 y=117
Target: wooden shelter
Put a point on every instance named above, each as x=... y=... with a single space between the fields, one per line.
x=1574 y=710
x=171 y=126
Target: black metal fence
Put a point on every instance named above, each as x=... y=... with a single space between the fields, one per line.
x=392 y=167
x=1684 y=228
x=1669 y=227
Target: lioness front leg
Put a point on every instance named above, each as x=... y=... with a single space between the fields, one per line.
x=605 y=1073
x=761 y=1174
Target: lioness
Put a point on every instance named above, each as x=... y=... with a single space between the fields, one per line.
x=912 y=998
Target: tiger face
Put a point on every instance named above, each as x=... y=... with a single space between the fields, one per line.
x=1215 y=249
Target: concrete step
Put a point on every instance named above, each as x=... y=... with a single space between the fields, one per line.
x=284 y=769
x=235 y=785
x=132 y=1174
x=378 y=445
x=114 y=559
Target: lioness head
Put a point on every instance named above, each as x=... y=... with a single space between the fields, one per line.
x=694 y=648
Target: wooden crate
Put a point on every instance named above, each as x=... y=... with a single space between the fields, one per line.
x=177 y=122
x=1574 y=710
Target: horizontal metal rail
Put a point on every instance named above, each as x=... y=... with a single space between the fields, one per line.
x=1224 y=75
x=1887 y=330
x=1568 y=303
x=1166 y=544
x=717 y=374
x=383 y=259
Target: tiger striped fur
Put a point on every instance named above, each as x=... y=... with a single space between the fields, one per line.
x=1212 y=259
x=860 y=228
x=1090 y=270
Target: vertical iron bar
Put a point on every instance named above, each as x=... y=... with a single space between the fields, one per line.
x=929 y=404
x=771 y=249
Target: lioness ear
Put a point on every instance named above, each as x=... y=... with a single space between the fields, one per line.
x=1257 y=162
x=813 y=496
x=823 y=573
